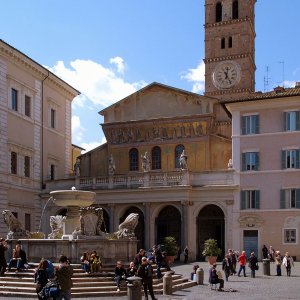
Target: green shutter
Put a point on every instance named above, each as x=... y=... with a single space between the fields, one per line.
x=282 y=199
x=297 y=198
x=243 y=121
x=298 y=159
x=257 y=161
x=285 y=121
x=244 y=162
x=257 y=124
x=297 y=120
x=257 y=200
x=243 y=200
x=283 y=159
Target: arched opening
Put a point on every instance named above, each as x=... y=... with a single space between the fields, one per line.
x=133 y=159
x=156 y=158
x=178 y=151
x=168 y=223
x=235 y=9
x=210 y=224
x=223 y=43
x=140 y=228
x=105 y=225
x=219 y=12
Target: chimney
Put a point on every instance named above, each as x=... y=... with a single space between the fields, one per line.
x=279 y=89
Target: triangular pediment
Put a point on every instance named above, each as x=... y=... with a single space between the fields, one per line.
x=157 y=101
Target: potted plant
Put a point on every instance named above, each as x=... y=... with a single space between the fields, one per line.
x=211 y=250
x=171 y=248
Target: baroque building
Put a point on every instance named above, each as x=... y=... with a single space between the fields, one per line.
x=35 y=118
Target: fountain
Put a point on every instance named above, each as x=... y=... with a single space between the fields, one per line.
x=75 y=233
x=73 y=200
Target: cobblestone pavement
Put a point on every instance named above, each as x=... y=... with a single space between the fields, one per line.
x=259 y=288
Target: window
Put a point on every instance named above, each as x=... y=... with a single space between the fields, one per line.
x=290 y=236
x=178 y=151
x=235 y=9
x=14 y=99
x=292 y=121
x=52 y=172
x=219 y=12
x=223 y=43
x=290 y=198
x=156 y=158
x=290 y=159
x=27 y=106
x=250 y=161
x=250 y=124
x=250 y=199
x=27 y=222
x=27 y=166
x=13 y=163
x=230 y=42
x=52 y=118
x=133 y=159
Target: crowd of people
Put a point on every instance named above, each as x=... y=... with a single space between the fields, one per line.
x=232 y=258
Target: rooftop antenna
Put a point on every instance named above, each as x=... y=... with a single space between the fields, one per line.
x=282 y=62
x=266 y=79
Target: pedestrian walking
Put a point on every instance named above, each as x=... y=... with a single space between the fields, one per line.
x=226 y=266
x=64 y=277
x=233 y=259
x=242 y=259
x=265 y=252
x=145 y=271
x=158 y=258
x=271 y=254
x=41 y=276
x=278 y=263
x=288 y=262
x=186 y=254
x=253 y=264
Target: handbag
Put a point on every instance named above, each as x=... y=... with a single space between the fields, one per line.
x=257 y=267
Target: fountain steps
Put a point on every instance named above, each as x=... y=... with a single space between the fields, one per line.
x=102 y=285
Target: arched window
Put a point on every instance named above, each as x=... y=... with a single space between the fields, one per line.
x=178 y=151
x=222 y=43
x=133 y=159
x=235 y=9
x=230 y=42
x=156 y=158
x=219 y=12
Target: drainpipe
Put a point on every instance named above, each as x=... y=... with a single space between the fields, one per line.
x=43 y=185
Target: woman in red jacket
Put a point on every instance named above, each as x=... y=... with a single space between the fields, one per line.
x=242 y=260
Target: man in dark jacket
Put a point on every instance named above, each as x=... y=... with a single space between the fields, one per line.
x=3 y=248
x=214 y=278
x=64 y=274
x=19 y=258
x=145 y=271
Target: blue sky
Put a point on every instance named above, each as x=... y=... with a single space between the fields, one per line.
x=108 y=49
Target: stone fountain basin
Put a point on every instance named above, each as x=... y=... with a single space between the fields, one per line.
x=73 y=198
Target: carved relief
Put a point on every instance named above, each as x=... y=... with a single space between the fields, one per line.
x=250 y=220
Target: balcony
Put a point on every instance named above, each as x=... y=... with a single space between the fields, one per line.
x=149 y=179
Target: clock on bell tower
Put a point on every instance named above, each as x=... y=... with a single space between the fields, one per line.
x=229 y=48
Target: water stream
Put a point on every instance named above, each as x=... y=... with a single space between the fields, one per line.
x=43 y=211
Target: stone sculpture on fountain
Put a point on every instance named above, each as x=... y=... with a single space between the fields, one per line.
x=126 y=229
x=56 y=224
x=15 y=230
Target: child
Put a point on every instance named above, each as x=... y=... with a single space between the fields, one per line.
x=95 y=262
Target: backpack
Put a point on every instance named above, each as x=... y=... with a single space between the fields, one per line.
x=50 y=290
x=41 y=277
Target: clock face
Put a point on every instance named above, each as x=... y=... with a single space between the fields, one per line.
x=226 y=75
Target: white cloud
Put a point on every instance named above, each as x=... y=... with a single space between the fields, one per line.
x=196 y=76
x=119 y=62
x=101 y=85
x=90 y=146
x=77 y=130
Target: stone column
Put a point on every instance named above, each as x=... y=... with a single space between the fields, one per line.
x=147 y=224
x=111 y=217
x=184 y=223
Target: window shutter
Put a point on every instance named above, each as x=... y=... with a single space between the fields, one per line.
x=243 y=200
x=285 y=121
x=283 y=159
x=297 y=159
x=257 y=124
x=243 y=125
x=297 y=198
x=244 y=161
x=297 y=120
x=257 y=200
x=257 y=161
x=282 y=199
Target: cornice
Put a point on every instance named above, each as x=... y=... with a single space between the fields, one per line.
x=228 y=57
x=227 y=22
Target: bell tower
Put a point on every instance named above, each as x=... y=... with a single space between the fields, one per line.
x=229 y=48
